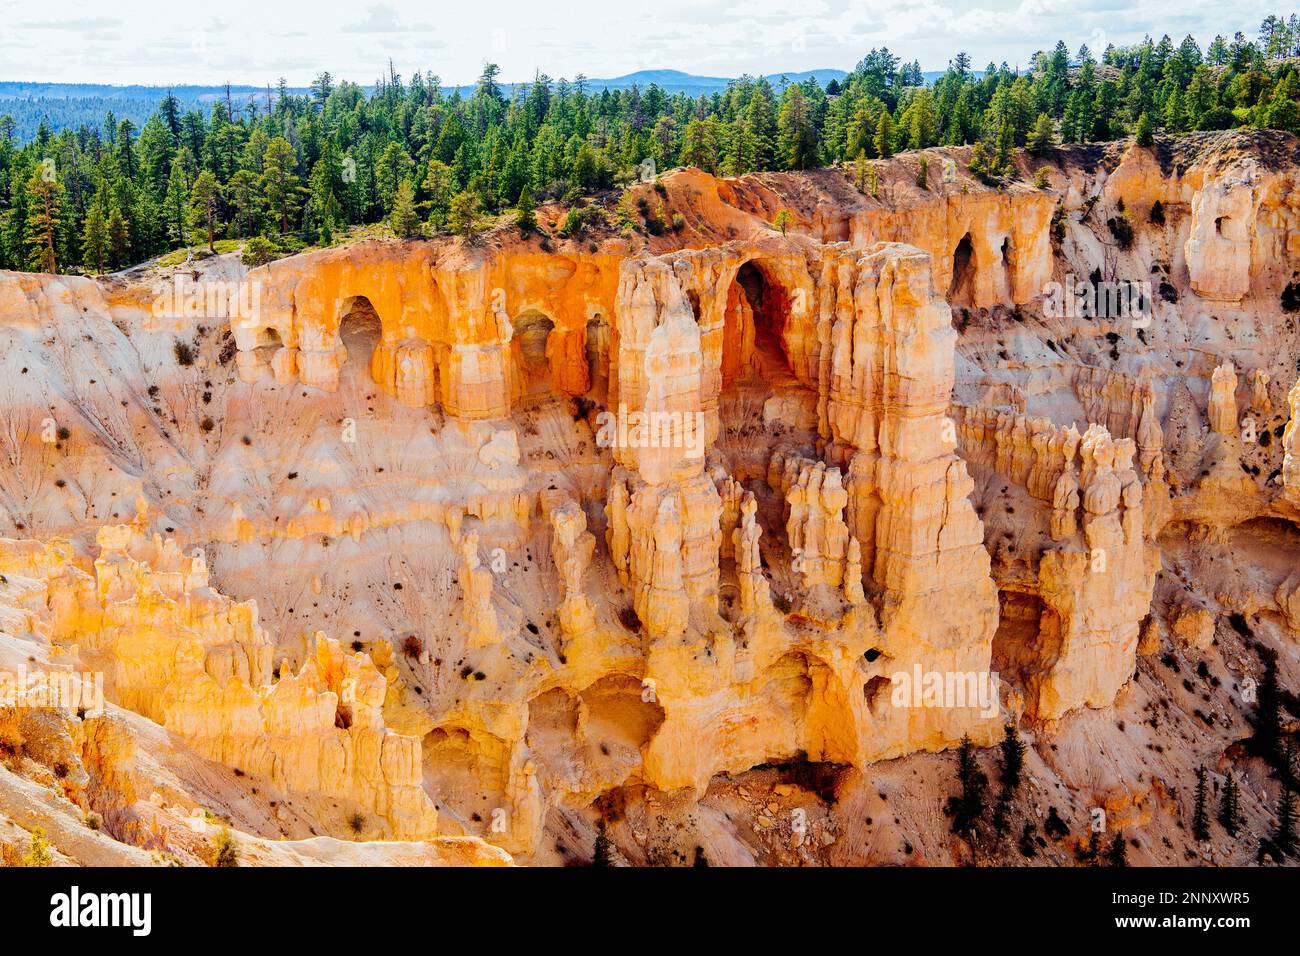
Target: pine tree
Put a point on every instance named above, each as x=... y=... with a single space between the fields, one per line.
x=1002 y=813
x=94 y=238
x=1284 y=837
x=176 y=201
x=439 y=186
x=1145 y=131
x=1268 y=720
x=44 y=220
x=558 y=137
x=393 y=167
x=742 y=148
x=782 y=220
x=1117 y=855
x=280 y=188
x=525 y=217
x=969 y=806
x=1043 y=137
x=1013 y=757
x=1201 y=814
x=244 y=196
x=923 y=172
x=1229 y=808
x=922 y=124
x=462 y=218
x=205 y=202
x=119 y=238
x=602 y=855
x=404 y=219
x=884 y=139
x=796 y=131
x=1091 y=854
x=700 y=145
x=860 y=134
x=1006 y=146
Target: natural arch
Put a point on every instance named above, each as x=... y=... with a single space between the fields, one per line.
x=268 y=342
x=1026 y=642
x=753 y=341
x=761 y=401
x=961 y=290
x=360 y=330
x=531 y=336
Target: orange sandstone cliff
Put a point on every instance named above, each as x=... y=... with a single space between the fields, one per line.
x=440 y=552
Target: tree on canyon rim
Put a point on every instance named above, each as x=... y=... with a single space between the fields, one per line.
x=205 y=200
x=563 y=140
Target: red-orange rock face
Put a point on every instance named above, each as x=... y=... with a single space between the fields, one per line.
x=518 y=530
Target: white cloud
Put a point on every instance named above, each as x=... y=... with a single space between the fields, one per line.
x=258 y=41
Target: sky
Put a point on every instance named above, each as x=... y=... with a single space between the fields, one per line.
x=161 y=42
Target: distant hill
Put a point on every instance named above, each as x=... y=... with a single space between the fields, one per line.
x=675 y=81
x=69 y=105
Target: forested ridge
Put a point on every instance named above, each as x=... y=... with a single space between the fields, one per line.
x=296 y=169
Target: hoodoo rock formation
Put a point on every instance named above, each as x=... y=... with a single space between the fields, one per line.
x=463 y=546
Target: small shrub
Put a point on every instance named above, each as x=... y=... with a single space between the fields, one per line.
x=412 y=646
x=1041 y=180
x=38 y=851
x=1122 y=229
x=183 y=352
x=357 y=823
x=580 y=219
x=1158 y=213
x=1054 y=826
x=258 y=251
x=225 y=852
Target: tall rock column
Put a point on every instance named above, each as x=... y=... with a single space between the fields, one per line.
x=1223 y=399
x=664 y=509
x=887 y=365
x=1095 y=587
x=1218 y=248
x=479 y=378
x=1291 y=448
x=888 y=370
